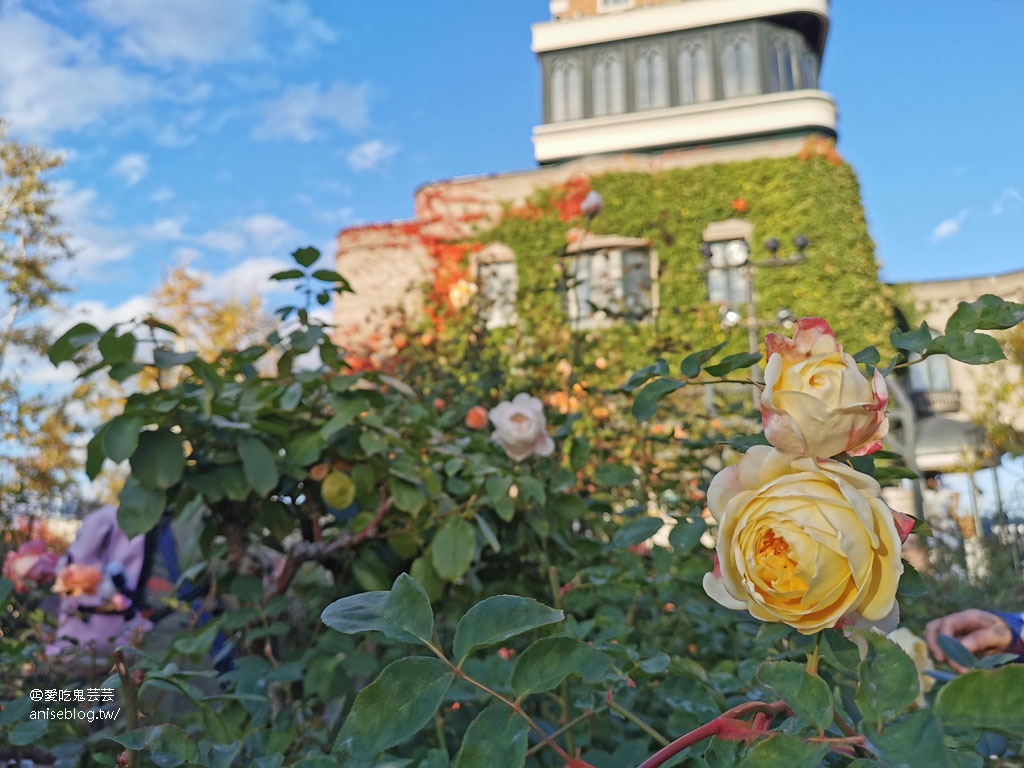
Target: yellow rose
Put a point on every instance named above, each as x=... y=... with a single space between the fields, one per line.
x=815 y=401
x=801 y=541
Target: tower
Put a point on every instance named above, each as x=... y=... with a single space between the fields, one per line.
x=651 y=75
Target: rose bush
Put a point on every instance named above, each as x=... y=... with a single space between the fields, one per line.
x=520 y=427
x=803 y=542
x=815 y=401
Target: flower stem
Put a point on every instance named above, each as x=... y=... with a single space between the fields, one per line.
x=709 y=729
x=635 y=720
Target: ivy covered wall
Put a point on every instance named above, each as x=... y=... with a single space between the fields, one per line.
x=816 y=195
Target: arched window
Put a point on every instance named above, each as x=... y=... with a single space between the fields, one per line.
x=651 y=86
x=694 y=73
x=782 y=65
x=607 y=85
x=739 y=77
x=566 y=90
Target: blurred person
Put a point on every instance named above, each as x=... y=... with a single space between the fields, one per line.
x=981 y=632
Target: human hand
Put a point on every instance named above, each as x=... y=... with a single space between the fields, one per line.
x=979 y=631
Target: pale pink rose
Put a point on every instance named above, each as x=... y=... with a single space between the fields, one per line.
x=802 y=541
x=815 y=401
x=520 y=427
x=30 y=565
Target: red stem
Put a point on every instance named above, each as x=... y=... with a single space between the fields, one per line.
x=709 y=729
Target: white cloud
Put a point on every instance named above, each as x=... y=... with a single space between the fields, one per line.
x=95 y=243
x=370 y=154
x=162 y=195
x=247 y=278
x=50 y=81
x=165 y=229
x=133 y=168
x=1008 y=198
x=203 y=32
x=258 y=235
x=301 y=110
x=949 y=227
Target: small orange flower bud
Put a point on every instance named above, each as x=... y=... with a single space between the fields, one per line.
x=439 y=404
x=476 y=418
x=319 y=471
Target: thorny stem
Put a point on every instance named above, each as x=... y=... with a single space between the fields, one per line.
x=633 y=718
x=711 y=728
x=130 y=690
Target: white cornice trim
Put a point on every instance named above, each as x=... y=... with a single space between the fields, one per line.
x=690 y=125
x=656 y=19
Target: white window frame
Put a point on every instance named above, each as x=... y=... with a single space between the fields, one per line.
x=607 y=84
x=496 y=300
x=596 y=277
x=566 y=89
x=650 y=77
x=739 y=65
x=693 y=64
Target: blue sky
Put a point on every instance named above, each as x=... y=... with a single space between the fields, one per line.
x=233 y=131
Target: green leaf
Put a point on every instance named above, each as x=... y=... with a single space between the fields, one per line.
x=782 y=749
x=496 y=739
x=691 y=365
x=733 y=363
x=305 y=257
x=427 y=577
x=636 y=531
x=868 y=356
x=453 y=549
x=912 y=341
x=956 y=652
x=329 y=276
x=659 y=368
x=291 y=397
x=403 y=614
x=95 y=454
x=807 y=695
x=911 y=583
x=392 y=708
x=121 y=437
x=990 y=699
x=407 y=497
x=969 y=347
x=139 y=508
x=888 y=681
x=988 y=313
x=550 y=660
x=686 y=534
x=159 y=461
x=917 y=740
x=839 y=652
x=345 y=412
x=259 y=464
x=497 y=619
x=647 y=399
x=168 y=358
x=613 y=475
x=304 y=449
x=497 y=493
x=117 y=348
x=78 y=336
x=288 y=274
x=13 y=711
x=168 y=745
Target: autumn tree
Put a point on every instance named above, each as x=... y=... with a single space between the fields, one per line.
x=36 y=431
